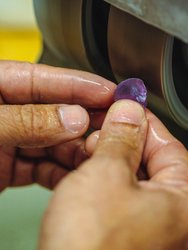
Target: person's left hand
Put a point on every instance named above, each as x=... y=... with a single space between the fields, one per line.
x=43 y=117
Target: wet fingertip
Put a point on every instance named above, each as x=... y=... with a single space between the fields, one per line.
x=127 y=111
x=91 y=142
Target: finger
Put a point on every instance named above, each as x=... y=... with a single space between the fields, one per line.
x=70 y=154
x=166 y=158
x=23 y=83
x=7 y=155
x=19 y=172
x=123 y=133
x=46 y=174
x=91 y=142
x=121 y=140
x=41 y=125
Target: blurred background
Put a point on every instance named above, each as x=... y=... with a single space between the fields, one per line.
x=19 y=35
x=21 y=209
x=100 y=38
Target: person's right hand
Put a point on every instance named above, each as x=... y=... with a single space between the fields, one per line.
x=103 y=206
x=44 y=113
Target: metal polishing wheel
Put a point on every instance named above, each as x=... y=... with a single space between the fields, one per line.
x=138 y=49
x=74 y=34
x=95 y=36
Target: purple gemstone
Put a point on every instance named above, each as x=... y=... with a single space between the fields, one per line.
x=133 y=89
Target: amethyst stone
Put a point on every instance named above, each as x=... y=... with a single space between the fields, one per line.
x=133 y=89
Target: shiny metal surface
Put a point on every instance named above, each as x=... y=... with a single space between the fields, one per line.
x=61 y=26
x=167 y=15
x=74 y=34
x=137 y=49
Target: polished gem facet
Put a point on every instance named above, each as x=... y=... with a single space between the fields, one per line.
x=133 y=89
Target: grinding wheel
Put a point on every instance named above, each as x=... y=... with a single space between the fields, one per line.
x=137 y=49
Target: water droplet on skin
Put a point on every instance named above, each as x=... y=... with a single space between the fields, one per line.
x=157 y=137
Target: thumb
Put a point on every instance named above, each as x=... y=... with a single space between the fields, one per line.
x=122 y=137
x=41 y=125
x=95 y=191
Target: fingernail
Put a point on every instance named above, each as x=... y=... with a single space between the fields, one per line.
x=127 y=111
x=74 y=118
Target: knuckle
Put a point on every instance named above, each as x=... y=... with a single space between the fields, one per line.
x=121 y=141
x=32 y=123
x=28 y=125
x=34 y=88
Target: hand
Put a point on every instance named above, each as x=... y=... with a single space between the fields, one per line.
x=103 y=206
x=41 y=128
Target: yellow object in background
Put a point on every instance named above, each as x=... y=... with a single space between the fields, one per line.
x=24 y=45
x=19 y=35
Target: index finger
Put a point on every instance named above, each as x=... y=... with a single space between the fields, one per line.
x=22 y=83
x=165 y=157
